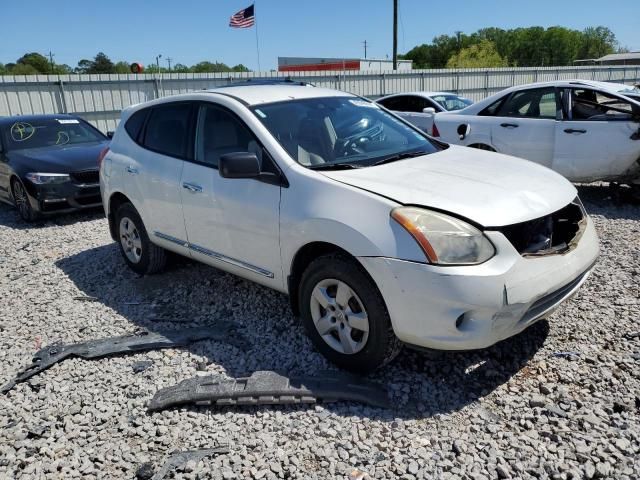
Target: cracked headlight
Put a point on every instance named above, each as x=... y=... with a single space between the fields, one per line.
x=47 y=178
x=445 y=240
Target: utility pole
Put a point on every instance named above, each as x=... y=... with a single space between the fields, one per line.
x=169 y=59
x=395 y=34
x=365 y=49
x=51 y=55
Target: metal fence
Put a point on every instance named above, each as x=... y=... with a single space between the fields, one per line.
x=100 y=98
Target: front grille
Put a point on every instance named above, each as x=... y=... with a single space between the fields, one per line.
x=86 y=177
x=548 y=235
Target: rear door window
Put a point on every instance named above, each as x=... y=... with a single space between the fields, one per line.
x=168 y=131
x=531 y=103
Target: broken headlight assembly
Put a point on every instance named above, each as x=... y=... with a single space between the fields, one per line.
x=444 y=239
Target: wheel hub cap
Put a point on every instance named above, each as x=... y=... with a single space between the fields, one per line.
x=339 y=316
x=130 y=240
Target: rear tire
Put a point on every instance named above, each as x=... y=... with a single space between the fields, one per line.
x=21 y=201
x=345 y=316
x=141 y=255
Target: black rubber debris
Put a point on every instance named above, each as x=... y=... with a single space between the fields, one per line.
x=145 y=471
x=138 y=341
x=141 y=366
x=178 y=459
x=271 y=388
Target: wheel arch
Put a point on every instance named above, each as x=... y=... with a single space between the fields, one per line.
x=301 y=260
x=482 y=146
x=115 y=200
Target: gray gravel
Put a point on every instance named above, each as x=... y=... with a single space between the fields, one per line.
x=561 y=400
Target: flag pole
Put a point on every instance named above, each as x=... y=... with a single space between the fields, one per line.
x=255 y=17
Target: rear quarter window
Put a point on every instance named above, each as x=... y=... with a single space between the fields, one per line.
x=167 y=130
x=135 y=123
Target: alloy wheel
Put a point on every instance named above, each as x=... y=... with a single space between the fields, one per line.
x=21 y=200
x=339 y=316
x=130 y=240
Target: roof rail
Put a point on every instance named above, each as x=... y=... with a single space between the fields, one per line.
x=266 y=81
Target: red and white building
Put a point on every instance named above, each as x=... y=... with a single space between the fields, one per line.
x=304 y=64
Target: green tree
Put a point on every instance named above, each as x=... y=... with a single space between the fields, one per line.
x=102 y=64
x=84 y=66
x=180 y=68
x=209 y=67
x=122 y=67
x=480 y=55
x=561 y=45
x=39 y=62
x=23 y=69
x=523 y=47
x=239 y=68
x=597 y=42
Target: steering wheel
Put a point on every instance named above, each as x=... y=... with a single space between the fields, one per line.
x=349 y=146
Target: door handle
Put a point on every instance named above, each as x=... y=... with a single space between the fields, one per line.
x=574 y=130
x=509 y=125
x=192 y=187
x=132 y=170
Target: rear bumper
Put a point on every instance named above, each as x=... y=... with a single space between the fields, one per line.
x=470 y=307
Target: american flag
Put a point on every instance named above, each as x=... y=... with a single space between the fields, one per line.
x=244 y=18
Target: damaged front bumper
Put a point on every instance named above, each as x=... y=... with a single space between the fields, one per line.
x=471 y=307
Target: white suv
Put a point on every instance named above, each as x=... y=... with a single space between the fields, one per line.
x=379 y=234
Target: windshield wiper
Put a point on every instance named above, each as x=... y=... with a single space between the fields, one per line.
x=400 y=156
x=333 y=166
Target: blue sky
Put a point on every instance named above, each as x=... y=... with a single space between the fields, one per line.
x=192 y=30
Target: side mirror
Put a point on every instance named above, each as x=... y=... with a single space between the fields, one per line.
x=110 y=134
x=463 y=130
x=239 y=165
x=430 y=110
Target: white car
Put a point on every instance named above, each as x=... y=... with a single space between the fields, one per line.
x=380 y=235
x=586 y=131
x=419 y=107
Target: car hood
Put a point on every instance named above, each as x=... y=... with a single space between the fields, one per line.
x=487 y=188
x=57 y=159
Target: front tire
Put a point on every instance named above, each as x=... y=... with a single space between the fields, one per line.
x=345 y=316
x=21 y=201
x=141 y=255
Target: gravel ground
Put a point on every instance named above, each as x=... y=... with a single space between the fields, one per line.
x=516 y=410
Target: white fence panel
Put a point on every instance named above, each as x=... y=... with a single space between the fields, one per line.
x=100 y=98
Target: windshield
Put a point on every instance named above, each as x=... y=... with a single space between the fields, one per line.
x=452 y=102
x=321 y=132
x=49 y=132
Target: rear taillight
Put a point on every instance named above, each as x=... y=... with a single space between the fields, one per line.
x=434 y=131
x=101 y=155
